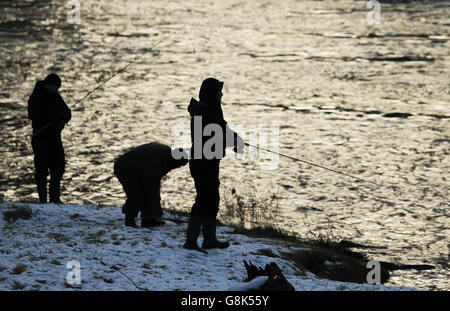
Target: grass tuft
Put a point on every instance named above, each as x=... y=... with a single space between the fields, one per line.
x=247 y=211
x=17 y=212
x=95 y=238
x=19 y=269
x=58 y=237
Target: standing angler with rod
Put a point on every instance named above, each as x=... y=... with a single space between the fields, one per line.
x=205 y=161
x=44 y=127
x=49 y=114
x=206 y=152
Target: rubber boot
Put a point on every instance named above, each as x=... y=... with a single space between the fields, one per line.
x=152 y=221
x=55 y=191
x=42 y=190
x=129 y=221
x=209 y=235
x=193 y=231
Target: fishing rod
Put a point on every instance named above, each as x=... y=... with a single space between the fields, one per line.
x=112 y=76
x=313 y=164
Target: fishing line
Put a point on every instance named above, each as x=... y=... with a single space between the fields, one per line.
x=247 y=144
x=317 y=165
x=112 y=76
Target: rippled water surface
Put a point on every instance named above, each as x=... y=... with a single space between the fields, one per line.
x=313 y=67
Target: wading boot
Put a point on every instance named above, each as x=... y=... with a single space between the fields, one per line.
x=193 y=231
x=55 y=191
x=42 y=190
x=129 y=221
x=152 y=221
x=209 y=235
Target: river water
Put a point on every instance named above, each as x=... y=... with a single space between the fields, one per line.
x=315 y=69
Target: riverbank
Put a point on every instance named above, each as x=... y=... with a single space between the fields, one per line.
x=42 y=244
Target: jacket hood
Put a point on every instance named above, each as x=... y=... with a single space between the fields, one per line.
x=209 y=89
x=197 y=108
x=39 y=85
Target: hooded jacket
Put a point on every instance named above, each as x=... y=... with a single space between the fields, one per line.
x=148 y=163
x=210 y=110
x=45 y=107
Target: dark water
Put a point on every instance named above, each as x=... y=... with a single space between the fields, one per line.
x=315 y=68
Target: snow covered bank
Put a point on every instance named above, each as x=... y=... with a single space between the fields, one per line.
x=39 y=253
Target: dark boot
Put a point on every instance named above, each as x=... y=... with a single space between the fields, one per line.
x=152 y=221
x=129 y=221
x=193 y=231
x=55 y=191
x=42 y=190
x=209 y=235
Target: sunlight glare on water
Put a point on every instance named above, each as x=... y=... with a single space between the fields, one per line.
x=315 y=68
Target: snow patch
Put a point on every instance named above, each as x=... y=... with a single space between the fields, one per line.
x=106 y=250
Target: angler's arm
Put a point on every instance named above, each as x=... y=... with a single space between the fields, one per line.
x=234 y=140
x=66 y=112
x=35 y=109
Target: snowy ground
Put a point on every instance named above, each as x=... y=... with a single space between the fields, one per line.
x=106 y=250
x=317 y=69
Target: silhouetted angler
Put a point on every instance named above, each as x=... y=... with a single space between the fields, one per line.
x=205 y=160
x=46 y=108
x=140 y=171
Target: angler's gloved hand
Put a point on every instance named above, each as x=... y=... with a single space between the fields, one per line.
x=239 y=144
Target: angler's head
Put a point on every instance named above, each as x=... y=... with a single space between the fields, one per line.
x=178 y=158
x=52 y=83
x=211 y=91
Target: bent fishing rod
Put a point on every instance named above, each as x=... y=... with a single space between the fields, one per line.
x=112 y=76
x=317 y=165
